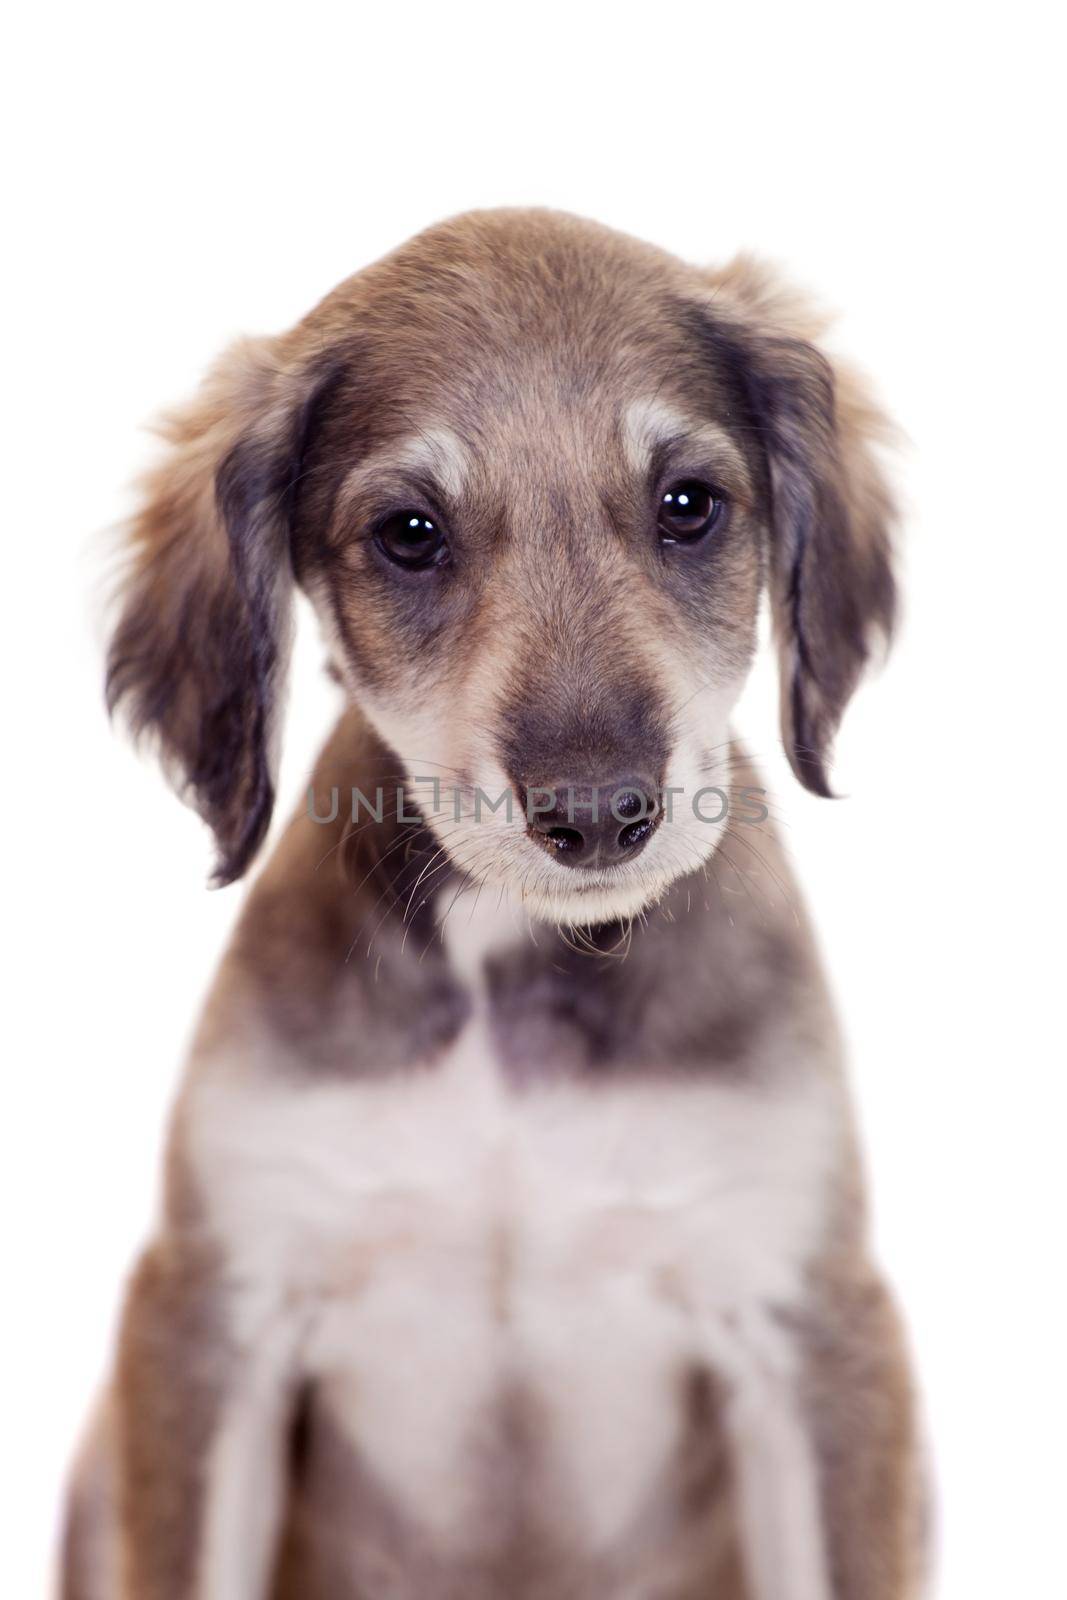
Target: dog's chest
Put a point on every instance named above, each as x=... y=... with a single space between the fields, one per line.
x=471 y=1252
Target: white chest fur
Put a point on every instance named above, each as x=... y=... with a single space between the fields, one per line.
x=452 y=1234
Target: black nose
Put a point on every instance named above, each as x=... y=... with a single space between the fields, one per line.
x=587 y=825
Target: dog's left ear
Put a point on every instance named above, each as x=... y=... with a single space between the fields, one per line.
x=199 y=651
x=833 y=595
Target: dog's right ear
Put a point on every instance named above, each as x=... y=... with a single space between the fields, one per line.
x=200 y=648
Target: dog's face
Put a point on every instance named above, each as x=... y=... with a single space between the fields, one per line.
x=539 y=564
x=533 y=476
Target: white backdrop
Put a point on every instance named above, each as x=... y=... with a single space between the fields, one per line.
x=184 y=174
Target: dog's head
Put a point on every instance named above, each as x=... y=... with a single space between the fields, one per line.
x=533 y=476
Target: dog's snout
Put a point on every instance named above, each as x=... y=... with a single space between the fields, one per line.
x=588 y=825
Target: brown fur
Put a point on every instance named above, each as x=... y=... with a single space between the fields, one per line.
x=559 y=639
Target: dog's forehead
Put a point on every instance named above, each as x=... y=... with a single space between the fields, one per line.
x=506 y=372
x=528 y=351
x=505 y=325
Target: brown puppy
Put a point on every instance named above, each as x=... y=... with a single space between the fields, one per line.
x=513 y=1241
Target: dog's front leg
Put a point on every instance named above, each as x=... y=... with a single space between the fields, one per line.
x=821 y=1427
x=203 y=1412
x=862 y=1416
x=775 y=1464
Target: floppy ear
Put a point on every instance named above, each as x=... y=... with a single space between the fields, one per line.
x=831 y=578
x=201 y=645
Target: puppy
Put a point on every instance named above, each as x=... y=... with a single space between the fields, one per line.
x=513 y=1239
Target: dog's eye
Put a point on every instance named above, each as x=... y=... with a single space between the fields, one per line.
x=688 y=511
x=410 y=539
